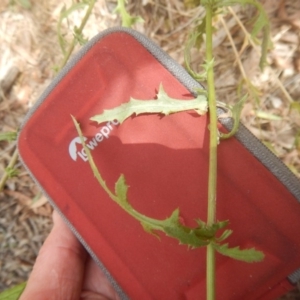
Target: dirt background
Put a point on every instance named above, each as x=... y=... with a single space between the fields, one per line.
x=30 y=51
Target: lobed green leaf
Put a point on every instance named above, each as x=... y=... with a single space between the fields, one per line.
x=164 y=105
x=246 y=255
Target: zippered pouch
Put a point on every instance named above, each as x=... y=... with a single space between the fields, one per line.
x=165 y=163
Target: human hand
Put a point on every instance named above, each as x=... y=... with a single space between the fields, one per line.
x=65 y=271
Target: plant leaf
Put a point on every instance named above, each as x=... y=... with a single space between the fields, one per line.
x=195 y=39
x=121 y=189
x=209 y=231
x=236 y=113
x=246 y=255
x=8 y=136
x=267 y=116
x=172 y=227
x=199 y=236
x=164 y=104
x=13 y=293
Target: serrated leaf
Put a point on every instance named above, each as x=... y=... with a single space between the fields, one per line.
x=185 y=235
x=171 y=226
x=199 y=236
x=246 y=255
x=164 y=105
x=13 y=293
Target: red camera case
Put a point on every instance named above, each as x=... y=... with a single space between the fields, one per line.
x=165 y=163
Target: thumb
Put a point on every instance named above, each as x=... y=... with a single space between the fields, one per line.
x=59 y=268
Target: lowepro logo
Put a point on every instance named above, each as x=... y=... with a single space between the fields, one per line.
x=93 y=143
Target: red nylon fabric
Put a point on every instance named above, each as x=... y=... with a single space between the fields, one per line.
x=165 y=163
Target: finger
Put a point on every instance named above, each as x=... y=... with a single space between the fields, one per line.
x=87 y=295
x=95 y=281
x=58 y=271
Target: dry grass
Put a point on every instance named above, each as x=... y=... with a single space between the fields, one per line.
x=28 y=41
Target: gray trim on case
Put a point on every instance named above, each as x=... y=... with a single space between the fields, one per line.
x=266 y=157
x=294 y=278
x=261 y=152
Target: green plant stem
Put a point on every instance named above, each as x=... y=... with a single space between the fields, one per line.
x=11 y=165
x=213 y=142
x=210 y=272
x=80 y=29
